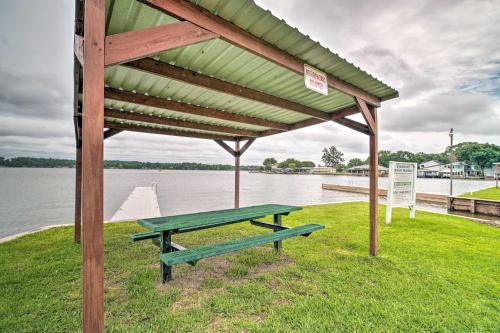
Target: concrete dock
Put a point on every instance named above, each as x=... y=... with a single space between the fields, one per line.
x=141 y=203
x=423 y=197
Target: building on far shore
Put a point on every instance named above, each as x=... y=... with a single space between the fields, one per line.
x=430 y=169
x=364 y=170
x=460 y=170
x=491 y=171
x=323 y=170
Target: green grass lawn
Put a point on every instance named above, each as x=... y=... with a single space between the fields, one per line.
x=492 y=193
x=436 y=273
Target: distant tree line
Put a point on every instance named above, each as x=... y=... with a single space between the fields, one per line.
x=482 y=155
x=35 y=162
x=290 y=163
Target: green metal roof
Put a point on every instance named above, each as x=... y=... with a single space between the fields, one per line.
x=230 y=63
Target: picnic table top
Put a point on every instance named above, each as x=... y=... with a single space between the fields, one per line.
x=213 y=218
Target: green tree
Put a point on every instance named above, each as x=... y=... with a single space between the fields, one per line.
x=308 y=164
x=355 y=162
x=269 y=162
x=292 y=166
x=341 y=167
x=332 y=156
x=485 y=157
x=286 y=163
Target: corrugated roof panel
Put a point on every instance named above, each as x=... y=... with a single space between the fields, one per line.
x=137 y=81
x=227 y=62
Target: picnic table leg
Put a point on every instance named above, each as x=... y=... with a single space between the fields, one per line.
x=277 y=221
x=165 y=246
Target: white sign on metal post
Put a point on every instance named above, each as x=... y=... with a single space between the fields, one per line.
x=401 y=191
x=315 y=80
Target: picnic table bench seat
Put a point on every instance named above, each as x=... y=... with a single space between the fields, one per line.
x=195 y=254
x=161 y=230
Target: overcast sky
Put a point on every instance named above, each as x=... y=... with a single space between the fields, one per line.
x=442 y=56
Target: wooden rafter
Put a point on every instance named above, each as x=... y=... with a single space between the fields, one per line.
x=181 y=74
x=338 y=114
x=231 y=33
x=176 y=122
x=137 y=44
x=163 y=103
x=166 y=131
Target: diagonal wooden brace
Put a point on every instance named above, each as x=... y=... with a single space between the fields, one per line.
x=365 y=111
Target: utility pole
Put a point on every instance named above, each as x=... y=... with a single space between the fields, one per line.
x=451 y=161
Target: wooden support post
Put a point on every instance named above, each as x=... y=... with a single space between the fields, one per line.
x=78 y=194
x=92 y=167
x=237 y=174
x=373 y=184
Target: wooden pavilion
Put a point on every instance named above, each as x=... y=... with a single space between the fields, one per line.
x=221 y=70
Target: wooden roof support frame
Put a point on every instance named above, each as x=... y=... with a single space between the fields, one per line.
x=134 y=116
x=137 y=44
x=163 y=103
x=152 y=66
x=93 y=51
x=237 y=152
x=92 y=166
x=185 y=10
x=167 y=131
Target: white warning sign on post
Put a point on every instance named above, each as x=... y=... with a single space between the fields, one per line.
x=401 y=191
x=315 y=80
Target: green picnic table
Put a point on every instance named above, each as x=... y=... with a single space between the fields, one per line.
x=161 y=230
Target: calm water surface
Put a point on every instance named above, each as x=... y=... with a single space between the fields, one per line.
x=33 y=198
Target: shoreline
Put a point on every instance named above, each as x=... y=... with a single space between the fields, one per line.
x=492 y=223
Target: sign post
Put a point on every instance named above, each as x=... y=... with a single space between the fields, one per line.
x=401 y=191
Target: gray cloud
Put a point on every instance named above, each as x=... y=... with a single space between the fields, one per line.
x=443 y=57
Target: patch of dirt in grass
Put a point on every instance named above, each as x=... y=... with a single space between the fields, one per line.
x=197 y=284
x=215 y=325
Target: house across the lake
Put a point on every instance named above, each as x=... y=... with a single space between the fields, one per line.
x=364 y=170
x=430 y=169
x=461 y=170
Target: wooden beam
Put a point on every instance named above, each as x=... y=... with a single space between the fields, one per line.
x=78 y=48
x=166 y=131
x=111 y=132
x=180 y=74
x=92 y=167
x=137 y=44
x=352 y=124
x=226 y=147
x=177 y=123
x=347 y=111
x=163 y=103
x=231 y=33
x=363 y=107
x=245 y=147
x=374 y=185
x=344 y=112
x=237 y=174
x=78 y=195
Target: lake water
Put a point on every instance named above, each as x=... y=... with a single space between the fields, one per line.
x=33 y=198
